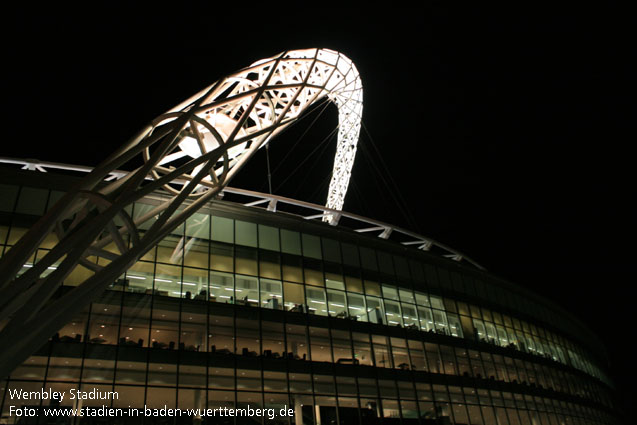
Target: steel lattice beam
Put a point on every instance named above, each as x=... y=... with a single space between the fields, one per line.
x=192 y=151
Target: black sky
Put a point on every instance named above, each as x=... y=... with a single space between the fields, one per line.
x=504 y=133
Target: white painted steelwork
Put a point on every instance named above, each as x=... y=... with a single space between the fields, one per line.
x=275 y=203
x=192 y=151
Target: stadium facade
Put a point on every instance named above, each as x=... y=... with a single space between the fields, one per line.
x=249 y=305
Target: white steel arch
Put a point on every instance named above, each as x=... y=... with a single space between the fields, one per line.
x=193 y=151
x=293 y=81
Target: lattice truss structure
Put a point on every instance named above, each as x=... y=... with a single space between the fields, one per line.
x=192 y=151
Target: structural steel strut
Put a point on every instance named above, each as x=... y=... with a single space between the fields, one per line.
x=192 y=151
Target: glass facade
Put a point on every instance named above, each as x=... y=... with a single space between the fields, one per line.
x=242 y=307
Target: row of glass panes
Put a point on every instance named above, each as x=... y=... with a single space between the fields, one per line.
x=204 y=227
x=428 y=314
x=167 y=281
x=268 y=293
x=366 y=401
x=161 y=325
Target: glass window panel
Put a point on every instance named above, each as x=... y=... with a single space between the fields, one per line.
x=381 y=351
x=387 y=389
x=350 y=254
x=271 y=294
x=127 y=396
x=198 y=227
x=192 y=376
x=311 y=246
x=492 y=337
x=275 y=381
x=502 y=336
x=331 y=250
x=194 y=284
x=410 y=317
x=193 y=328
x=103 y=325
x=433 y=358
x=292 y=269
x=247 y=291
x=221 y=257
x=196 y=253
x=269 y=265
x=449 y=305
x=448 y=359
x=368 y=259
x=15 y=234
x=455 y=328
x=342 y=347
x=221 y=399
x=422 y=299
x=131 y=372
x=406 y=295
x=402 y=268
x=417 y=355
x=392 y=312
x=426 y=319
x=400 y=353
x=63 y=368
x=294 y=297
x=161 y=373
x=460 y=413
x=272 y=343
x=356 y=307
x=337 y=304
x=320 y=343
x=375 y=313
x=362 y=348
x=164 y=332
x=290 y=242
x=246 y=261
x=32 y=201
x=167 y=281
x=316 y=301
x=269 y=238
x=35 y=367
x=314 y=277
x=390 y=292
x=480 y=330
x=385 y=262
x=245 y=233
x=221 y=378
x=354 y=284
x=191 y=399
x=300 y=382
x=367 y=387
x=248 y=379
x=221 y=334
x=334 y=281
x=372 y=288
x=297 y=341
x=169 y=249
x=477 y=369
x=8 y=195
x=221 y=287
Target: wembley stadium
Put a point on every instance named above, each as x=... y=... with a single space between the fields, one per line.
x=166 y=288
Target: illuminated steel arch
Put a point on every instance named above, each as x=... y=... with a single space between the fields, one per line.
x=192 y=151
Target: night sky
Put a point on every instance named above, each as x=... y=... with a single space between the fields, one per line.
x=503 y=133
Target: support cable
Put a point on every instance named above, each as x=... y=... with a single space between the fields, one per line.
x=319 y=145
x=267 y=158
x=391 y=185
x=325 y=105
